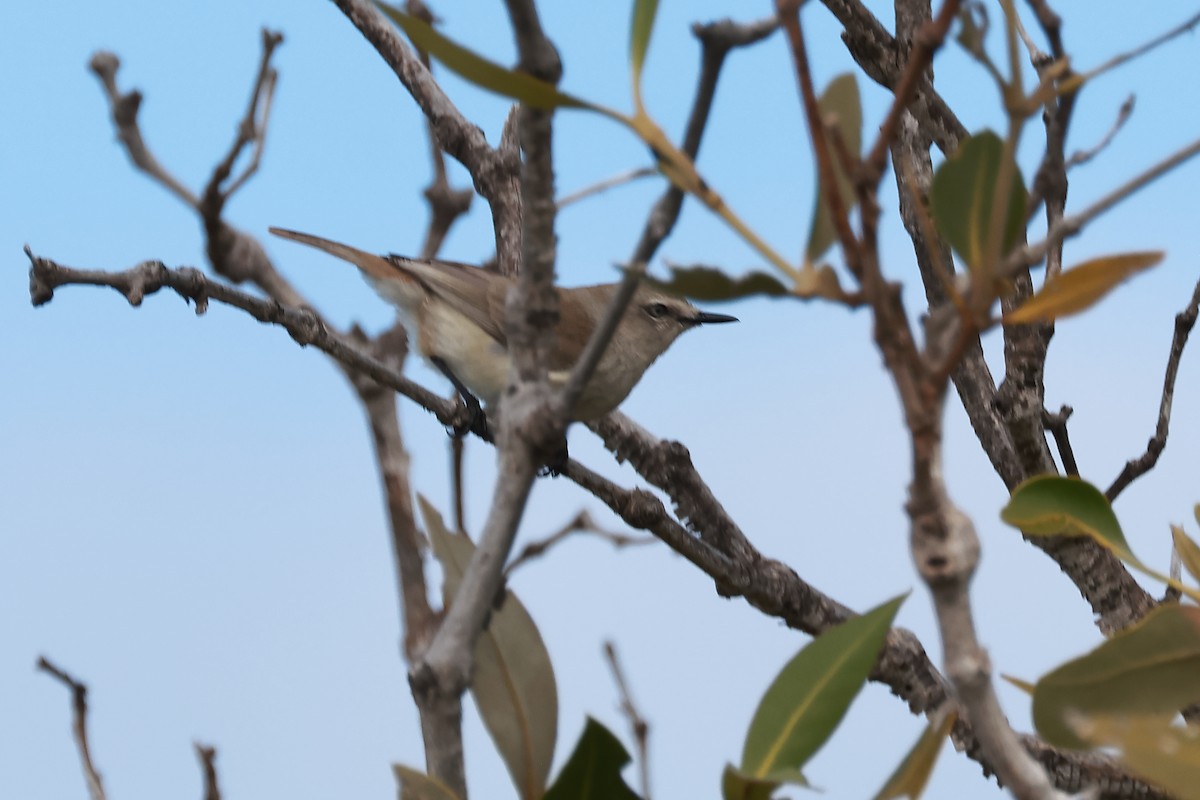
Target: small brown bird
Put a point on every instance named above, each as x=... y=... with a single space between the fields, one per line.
x=454 y=315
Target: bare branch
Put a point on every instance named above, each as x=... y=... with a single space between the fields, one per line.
x=580 y=523
x=619 y=179
x=1080 y=157
x=78 y=725
x=1137 y=467
x=303 y=324
x=1122 y=58
x=251 y=130
x=208 y=764
x=124 y=108
x=1056 y=423
x=637 y=723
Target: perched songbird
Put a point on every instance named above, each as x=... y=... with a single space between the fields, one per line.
x=454 y=315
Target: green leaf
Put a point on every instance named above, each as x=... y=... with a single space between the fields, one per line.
x=840 y=105
x=640 y=28
x=737 y=785
x=806 y=702
x=593 y=772
x=708 y=285
x=1049 y=505
x=513 y=681
x=910 y=777
x=416 y=785
x=486 y=74
x=1189 y=551
x=1152 y=667
x=1080 y=288
x=1163 y=754
x=962 y=195
x=1024 y=685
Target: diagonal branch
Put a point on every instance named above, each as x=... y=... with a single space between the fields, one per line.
x=1137 y=467
x=78 y=724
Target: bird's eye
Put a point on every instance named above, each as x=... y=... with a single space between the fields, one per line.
x=657 y=310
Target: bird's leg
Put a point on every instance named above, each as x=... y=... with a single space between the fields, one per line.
x=476 y=419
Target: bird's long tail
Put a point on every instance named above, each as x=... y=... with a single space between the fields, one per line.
x=372 y=265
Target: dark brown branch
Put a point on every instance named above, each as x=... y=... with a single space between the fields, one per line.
x=78 y=724
x=580 y=523
x=717 y=39
x=208 y=765
x=1137 y=467
x=637 y=723
x=1056 y=423
x=303 y=324
x=1080 y=157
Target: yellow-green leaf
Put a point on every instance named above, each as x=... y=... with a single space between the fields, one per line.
x=1161 y=753
x=839 y=104
x=806 y=702
x=593 y=772
x=640 y=28
x=1080 y=288
x=480 y=71
x=1024 y=685
x=416 y=785
x=962 y=196
x=910 y=777
x=1152 y=667
x=737 y=785
x=513 y=681
x=1049 y=505
x=1189 y=551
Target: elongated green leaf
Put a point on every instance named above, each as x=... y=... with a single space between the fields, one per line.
x=416 y=785
x=478 y=70
x=1024 y=685
x=593 y=772
x=1152 y=667
x=707 y=284
x=1080 y=288
x=513 y=681
x=806 y=702
x=841 y=105
x=910 y=777
x=1049 y=505
x=1163 y=754
x=962 y=195
x=738 y=785
x=640 y=28
x=1189 y=551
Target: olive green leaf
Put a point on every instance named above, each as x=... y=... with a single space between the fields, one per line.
x=910 y=777
x=807 y=700
x=842 y=109
x=1188 y=550
x=963 y=193
x=416 y=785
x=1049 y=505
x=593 y=772
x=640 y=28
x=480 y=71
x=1151 y=667
x=1080 y=288
x=513 y=682
x=1165 y=755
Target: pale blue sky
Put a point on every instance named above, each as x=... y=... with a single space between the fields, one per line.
x=190 y=516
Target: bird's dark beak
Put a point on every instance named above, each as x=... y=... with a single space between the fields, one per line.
x=705 y=318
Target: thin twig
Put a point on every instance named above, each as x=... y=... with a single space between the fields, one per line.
x=1083 y=156
x=208 y=765
x=1135 y=468
x=637 y=723
x=1174 y=591
x=124 y=108
x=78 y=724
x=251 y=130
x=1141 y=50
x=1056 y=423
x=580 y=523
x=628 y=176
